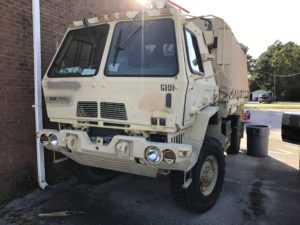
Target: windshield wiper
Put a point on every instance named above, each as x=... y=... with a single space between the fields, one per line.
x=119 y=46
x=86 y=25
x=132 y=37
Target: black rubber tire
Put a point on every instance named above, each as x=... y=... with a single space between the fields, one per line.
x=192 y=198
x=92 y=175
x=237 y=131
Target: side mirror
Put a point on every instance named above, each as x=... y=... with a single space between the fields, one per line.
x=207 y=57
x=290 y=128
x=209 y=37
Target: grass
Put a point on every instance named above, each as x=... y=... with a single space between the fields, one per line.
x=274 y=105
x=287 y=103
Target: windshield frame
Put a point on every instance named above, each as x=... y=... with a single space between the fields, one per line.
x=115 y=35
x=63 y=45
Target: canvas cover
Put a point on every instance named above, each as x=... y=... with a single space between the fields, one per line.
x=230 y=64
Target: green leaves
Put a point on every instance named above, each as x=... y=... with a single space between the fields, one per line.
x=279 y=59
x=250 y=60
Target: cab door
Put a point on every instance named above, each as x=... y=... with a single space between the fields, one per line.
x=202 y=87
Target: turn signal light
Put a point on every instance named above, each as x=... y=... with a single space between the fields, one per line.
x=43 y=138
x=169 y=156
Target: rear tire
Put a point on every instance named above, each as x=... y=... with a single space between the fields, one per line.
x=207 y=179
x=237 y=133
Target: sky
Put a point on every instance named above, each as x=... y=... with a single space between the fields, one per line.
x=255 y=23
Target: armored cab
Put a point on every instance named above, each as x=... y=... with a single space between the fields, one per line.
x=150 y=92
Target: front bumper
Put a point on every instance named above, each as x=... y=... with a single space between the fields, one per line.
x=130 y=158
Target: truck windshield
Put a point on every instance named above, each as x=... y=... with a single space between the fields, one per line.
x=81 y=52
x=143 y=48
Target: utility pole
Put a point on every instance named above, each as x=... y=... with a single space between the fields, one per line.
x=274 y=89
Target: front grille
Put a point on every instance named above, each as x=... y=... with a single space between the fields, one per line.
x=87 y=109
x=177 y=139
x=111 y=110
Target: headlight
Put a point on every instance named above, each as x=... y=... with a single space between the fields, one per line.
x=153 y=155
x=53 y=140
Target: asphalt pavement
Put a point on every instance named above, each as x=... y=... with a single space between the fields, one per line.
x=255 y=191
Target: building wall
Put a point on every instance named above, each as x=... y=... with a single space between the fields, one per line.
x=17 y=128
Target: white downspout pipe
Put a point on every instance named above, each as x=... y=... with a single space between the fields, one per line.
x=37 y=90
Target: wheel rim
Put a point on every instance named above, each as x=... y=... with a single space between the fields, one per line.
x=208 y=175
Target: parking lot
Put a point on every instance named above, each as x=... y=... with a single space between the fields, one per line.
x=255 y=191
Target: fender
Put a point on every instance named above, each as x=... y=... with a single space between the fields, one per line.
x=197 y=132
x=202 y=118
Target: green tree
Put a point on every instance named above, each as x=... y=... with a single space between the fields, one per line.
x=250 y=59
x=287 y=61
x=253 y=84
x=263 y=69
x=250 y=66
x=279 y=59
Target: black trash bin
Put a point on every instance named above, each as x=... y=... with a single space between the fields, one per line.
x=257 y=140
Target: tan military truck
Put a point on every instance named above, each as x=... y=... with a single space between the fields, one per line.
x=148 y=93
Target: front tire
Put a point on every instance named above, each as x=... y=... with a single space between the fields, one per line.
x=207 y=179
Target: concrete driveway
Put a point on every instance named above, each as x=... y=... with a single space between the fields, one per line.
x=256 y=191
